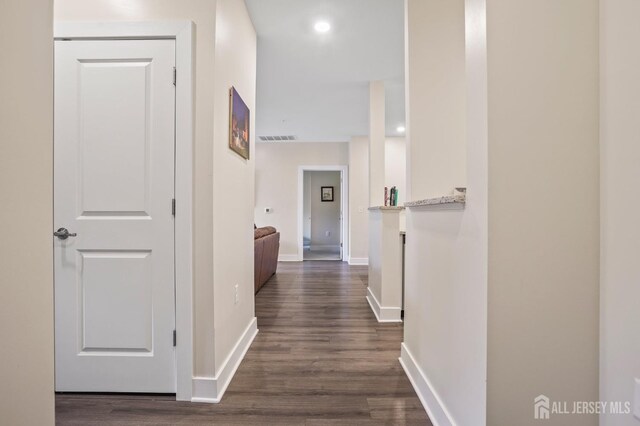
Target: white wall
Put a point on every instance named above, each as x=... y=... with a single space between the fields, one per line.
x=395 y=158
x=543 y=206
x=437 y=101
x=233 y=179
x=446 y=251
x=26 y=257
x=384 y=291
x=325 y=216
x=359 y=200
x=306 y=211
x=515 y=274
x=377 y=148
x=277 y=180
x=619 y=203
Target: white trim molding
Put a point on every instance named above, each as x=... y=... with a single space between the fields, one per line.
x=119 y=30
x=431 y=401
x=344 y=206
x=364 y=261
x=383 y=313
x=211 y=389
x=183 y=32
x=288 y=258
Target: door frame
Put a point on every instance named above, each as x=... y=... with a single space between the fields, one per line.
x=183 y=33
x=344 y=206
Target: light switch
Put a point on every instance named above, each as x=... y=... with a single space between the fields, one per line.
x=636 y=400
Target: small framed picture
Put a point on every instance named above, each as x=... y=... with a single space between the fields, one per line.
x=238 y=125
x=327 y=193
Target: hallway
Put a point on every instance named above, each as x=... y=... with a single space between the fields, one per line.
x=320 y=358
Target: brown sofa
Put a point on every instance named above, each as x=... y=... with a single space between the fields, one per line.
x=267 y=246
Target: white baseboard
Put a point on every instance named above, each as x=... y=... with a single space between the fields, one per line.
x=383 y=313
x=288 y=258
x=428 y=396
x=211 y=389
x=359 y=261
x=205 y=390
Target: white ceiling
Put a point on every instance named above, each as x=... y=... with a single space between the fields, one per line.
x=316 y=86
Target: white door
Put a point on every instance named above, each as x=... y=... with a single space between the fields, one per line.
x=113 y=191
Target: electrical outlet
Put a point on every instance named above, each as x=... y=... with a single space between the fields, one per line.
x=237 y=298
x=328 y=233
x=636 y=400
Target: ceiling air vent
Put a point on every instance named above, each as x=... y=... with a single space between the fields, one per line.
x=277 y=138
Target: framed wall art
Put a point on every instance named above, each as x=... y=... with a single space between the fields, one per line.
x=327 y=193
x=239 y=122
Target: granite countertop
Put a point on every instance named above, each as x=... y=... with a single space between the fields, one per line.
x=390 y=208
x=447 y=199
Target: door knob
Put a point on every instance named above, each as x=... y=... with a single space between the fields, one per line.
x=63 y=233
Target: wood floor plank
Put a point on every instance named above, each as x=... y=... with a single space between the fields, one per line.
x=320 y=358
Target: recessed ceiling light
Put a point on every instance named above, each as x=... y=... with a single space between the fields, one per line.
x=401 y=129
x=322 y=26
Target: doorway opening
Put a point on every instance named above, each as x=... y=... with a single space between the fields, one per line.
x=322 y=223
x=322 y=239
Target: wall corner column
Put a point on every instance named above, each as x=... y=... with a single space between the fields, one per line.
x=376 y=143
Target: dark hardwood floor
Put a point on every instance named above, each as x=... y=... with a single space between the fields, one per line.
x=320 y=358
